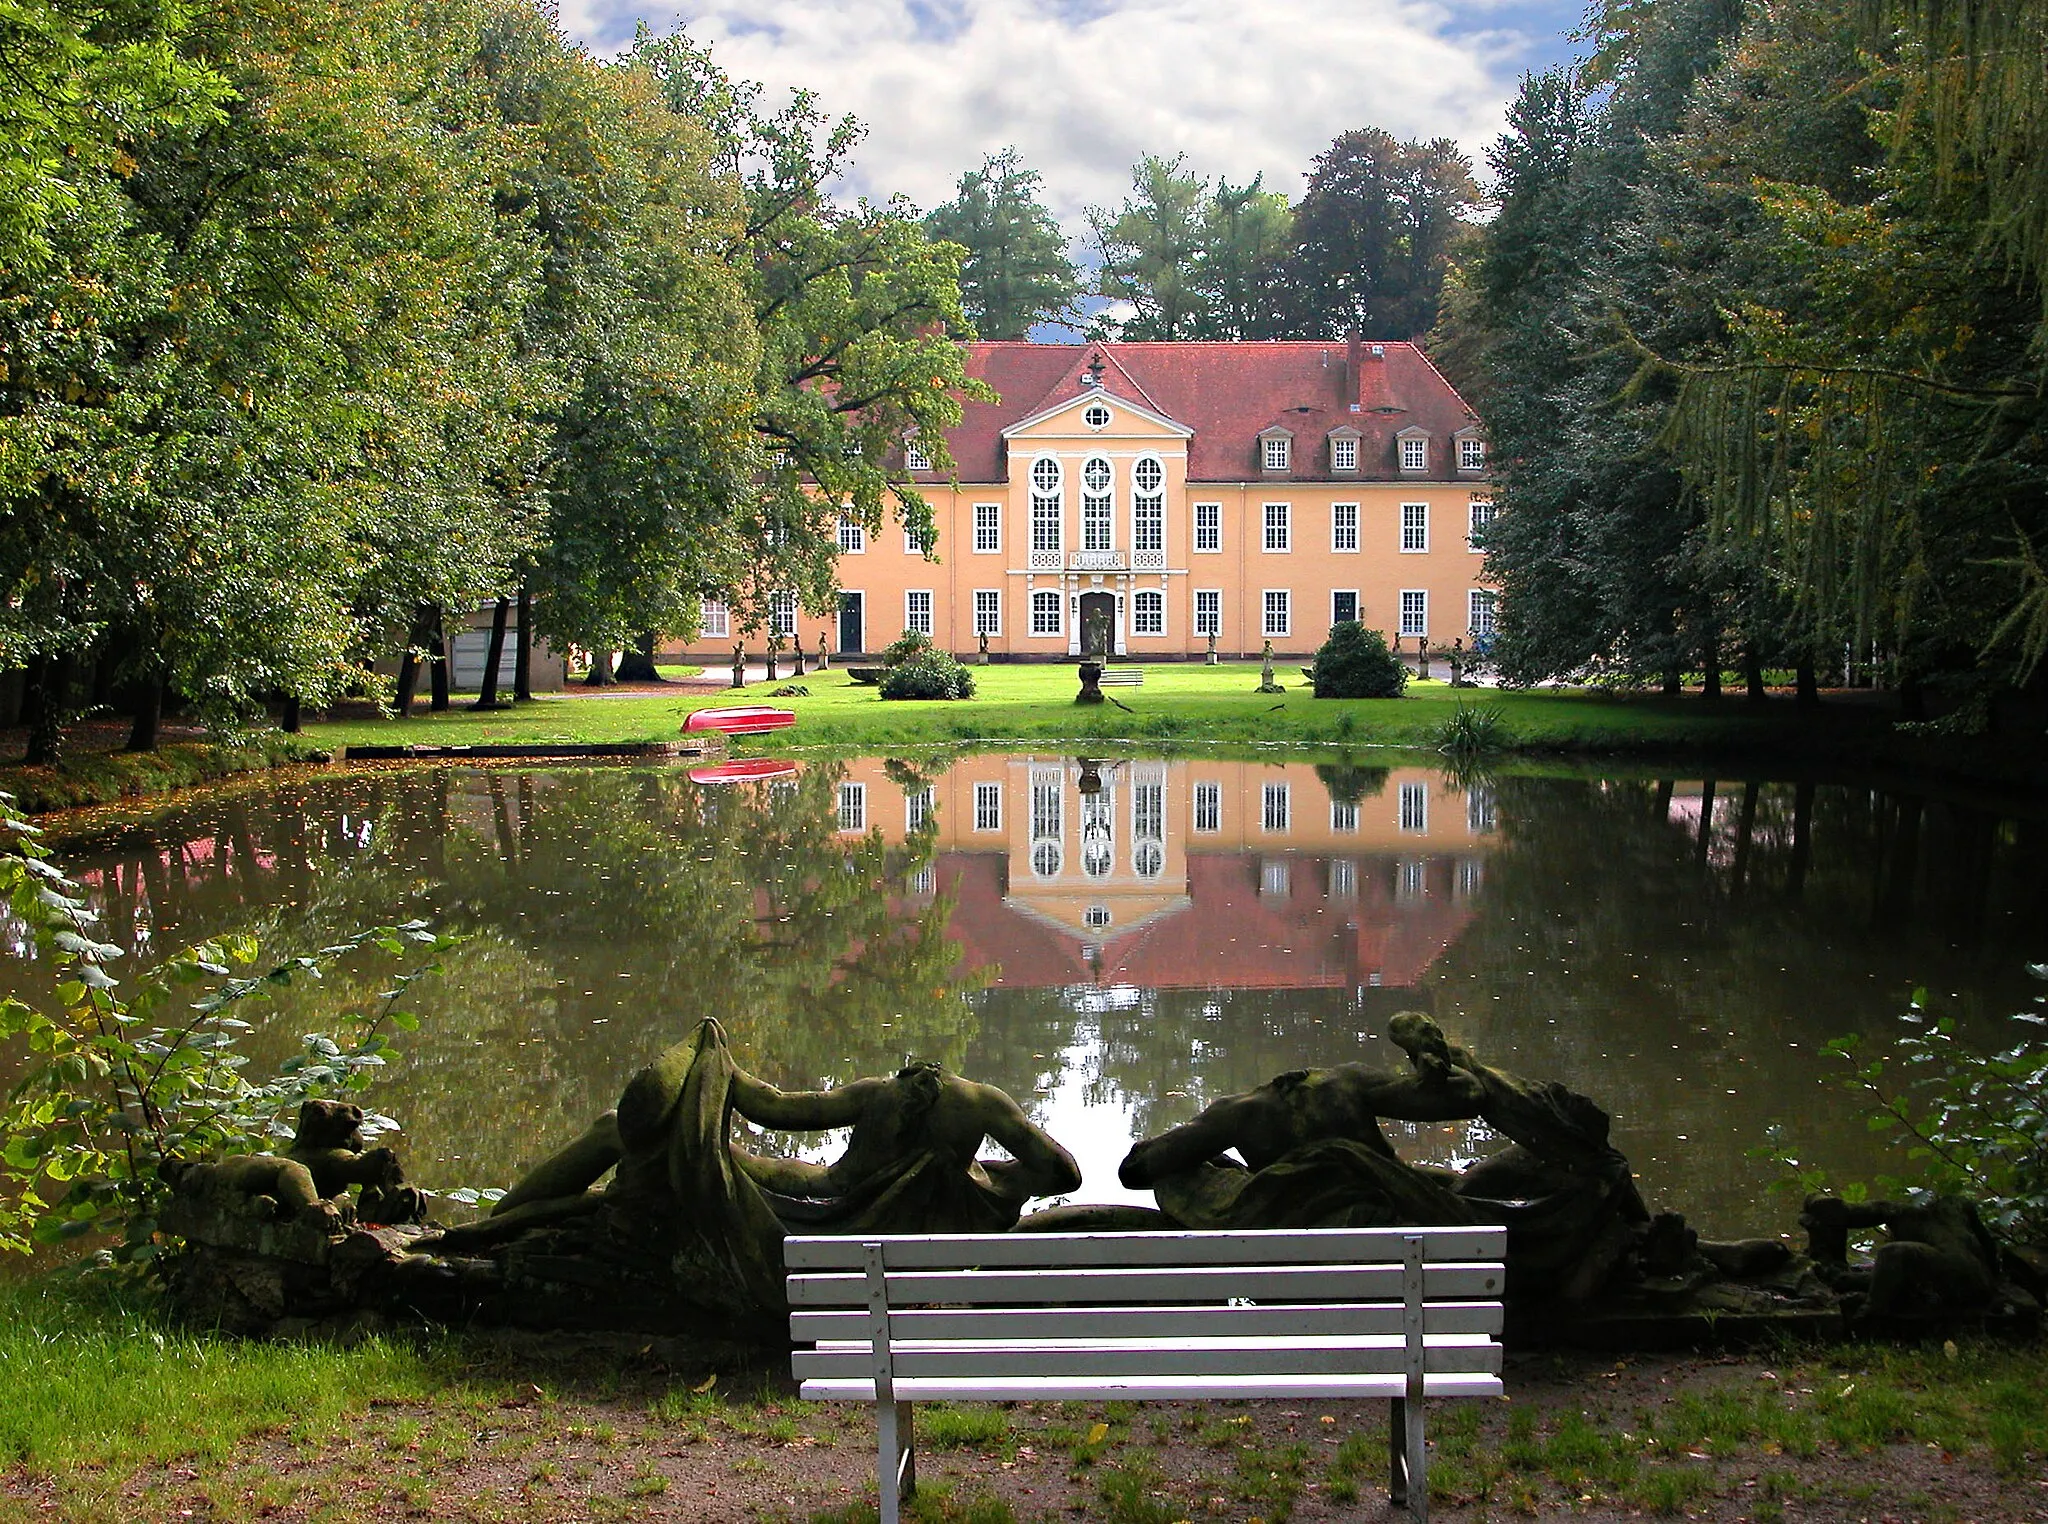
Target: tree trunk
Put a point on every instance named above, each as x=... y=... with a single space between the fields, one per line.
x=437 y=653
x=290 y=719
x=1745 y=830
x=522 y=652
x=494 y=652
x=1710 y=659
x=46 y=734
x=637 y=665
x=1753 y=671
x=1674 y=682
x=1706 y=836
x=149 y=712
x=35 y=680
x=1802 y=839
x=601 y=675
x=409 y=664
x=1809 y=683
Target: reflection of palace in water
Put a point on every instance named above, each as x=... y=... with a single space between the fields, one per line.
x=1189 y=874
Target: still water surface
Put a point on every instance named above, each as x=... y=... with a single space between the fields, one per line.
x=1119 y=943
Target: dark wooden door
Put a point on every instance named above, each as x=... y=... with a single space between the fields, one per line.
x=851 y=636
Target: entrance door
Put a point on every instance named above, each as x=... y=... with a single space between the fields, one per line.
x=1098 y=626
x=851 y=636
x=1343 y=606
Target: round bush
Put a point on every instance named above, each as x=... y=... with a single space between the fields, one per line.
x=1355 y=663
x=910 y=643
x=929 y=674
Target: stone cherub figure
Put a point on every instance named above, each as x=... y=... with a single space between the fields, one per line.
x=1314 y=1155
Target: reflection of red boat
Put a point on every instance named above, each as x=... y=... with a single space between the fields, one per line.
x=740 y=720
x=746 y=770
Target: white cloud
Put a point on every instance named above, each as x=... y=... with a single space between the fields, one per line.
x=1084 y=88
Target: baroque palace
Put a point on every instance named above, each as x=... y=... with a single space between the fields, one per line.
x=1137 y=499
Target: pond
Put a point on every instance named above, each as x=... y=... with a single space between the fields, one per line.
x=1118 y=942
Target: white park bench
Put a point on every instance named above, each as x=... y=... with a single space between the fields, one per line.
x=1122 y=677
x=1400 y=1313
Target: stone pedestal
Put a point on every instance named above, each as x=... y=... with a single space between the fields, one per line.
x=1091 y=683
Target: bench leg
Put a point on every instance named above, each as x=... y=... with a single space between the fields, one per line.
x=1408 y=1466
x=895 y=1458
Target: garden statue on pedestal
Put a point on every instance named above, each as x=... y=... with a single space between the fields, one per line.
x=739 y=666
x=1266 y=682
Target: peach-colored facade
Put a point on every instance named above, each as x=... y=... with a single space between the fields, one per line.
x=1135 y=498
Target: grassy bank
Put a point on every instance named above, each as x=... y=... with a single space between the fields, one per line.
x=1179 y=702
x=88 y=777
x=107 y=1415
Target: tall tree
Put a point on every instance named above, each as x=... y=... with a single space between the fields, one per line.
x=1150 y=249
x=1016 y=271
x=1247 y=235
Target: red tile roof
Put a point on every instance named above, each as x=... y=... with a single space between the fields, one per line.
x=1229 y=394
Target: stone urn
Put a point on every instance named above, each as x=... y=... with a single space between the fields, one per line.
x=1091 y=683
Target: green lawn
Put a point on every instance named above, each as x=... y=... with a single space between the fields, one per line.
x=1178 y=702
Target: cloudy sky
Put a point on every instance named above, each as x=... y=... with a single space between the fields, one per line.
x=1083 y=88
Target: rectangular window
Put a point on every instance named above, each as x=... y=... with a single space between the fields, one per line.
x=1479 y=809
x=988 y=611
x=1208 y=528
x=924 y=880
x=717 y=620
x=1277 y=527
x=1045 y=613
x=853 y=806
x=1414 y=455
x=1344 y=454
x=1276 y=453
x=1148 y=811
x=1343 y=879
x=1344 y=817
x=1471 y=455
x=1208 y=807
x=1278 y=621
x=917 y=612
x=1344 y=527
x=1095 y=521
x=988 y=806
x=1148 y=522
x=916 y=542
x=1048 y=800
x=1482 y=515
x=1415 y=808
x=1275 y=877
x=1148 y=613
x=1343 y=606
x=853 y=536
x=1471 y=877
x=1045 y=522
x=1484 y=607
x=917 y=807
x=782 y=614
x=914 y=458
x=1414 y=527
x=1411 y=880
x=988 y=528
x=1208 y=612
x=1414 y=611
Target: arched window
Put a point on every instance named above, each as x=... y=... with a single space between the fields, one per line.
x=1045 y=505
x=1148 y=506
x=1096 y=499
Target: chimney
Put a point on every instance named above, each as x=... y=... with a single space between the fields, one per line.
x=1351 y=375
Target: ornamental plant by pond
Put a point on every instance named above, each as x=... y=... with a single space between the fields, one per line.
x=120 y=1084
x=917 y=669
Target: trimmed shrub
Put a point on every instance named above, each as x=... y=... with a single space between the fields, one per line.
x=929 y=674
x=1355 y=663
x=910 y=643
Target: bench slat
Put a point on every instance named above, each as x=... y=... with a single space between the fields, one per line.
x=1204 y=1283
x=1163 y=1359
x=1017 y=1323
x=1083 y=1250
x=1148 y=1388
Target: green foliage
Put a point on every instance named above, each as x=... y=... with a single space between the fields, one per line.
x=928 y=674
x=119 y=1084
x=1016 y=272
x=910 y=643
x=1355 y=662
x=1474 y=731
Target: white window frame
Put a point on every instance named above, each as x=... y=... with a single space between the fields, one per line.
x=992 y=624
x=1206 y=813
x=1415 y=536
x=1286 y=608
x=717 y=619
x=1344 y=453
x=1344 y=817
x=782 y=614
x=1411 y=809
x=1415 y=454
x=918 y=805
x=988 y=529
x=913 y=546
x=1341 y=531
x=1138 y=601
x=1048 y=506
x=853 y=536
x=1276 y=809
x=1148 y=505
x=1420 y=624
x=914 y=458
x=1276 y=452
x=1480 y=514
x=1199 y=594
x=1096 y=415
x=1285 y=525
x=930 y=625
x=1098 y=506
x=1357 y=604
x=1471 y=455
x=1041 y=598
x=1480 y=600
x=853 y=808
x=988 y=806
x=1214 y=531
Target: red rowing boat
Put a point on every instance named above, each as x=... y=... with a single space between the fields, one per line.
x=741 y=720
x=745 y=770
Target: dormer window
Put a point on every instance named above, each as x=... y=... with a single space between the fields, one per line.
x=1095 y=415
x=1415 y=454
x=1275 y=451
x=1471 y=454
x=914 y=458
x=1343 y=452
